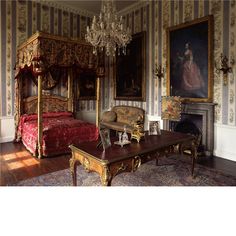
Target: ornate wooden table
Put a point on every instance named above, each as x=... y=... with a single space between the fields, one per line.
x=115 y=159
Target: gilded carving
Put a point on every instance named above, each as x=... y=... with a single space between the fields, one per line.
x=53 y=50
x=121 y=168
x=72 y=164
x=86 y=164
x=52 y=103
x=106 y=176
x=136 y=162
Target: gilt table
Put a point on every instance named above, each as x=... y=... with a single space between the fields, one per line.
x=115 y=159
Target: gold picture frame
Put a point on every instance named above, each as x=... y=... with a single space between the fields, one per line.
x=129 y=75
x=86 y=85
x=189 y=62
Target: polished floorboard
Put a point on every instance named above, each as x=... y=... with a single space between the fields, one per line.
x=18 y=164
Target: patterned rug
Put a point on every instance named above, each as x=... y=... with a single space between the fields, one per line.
x=170 y=172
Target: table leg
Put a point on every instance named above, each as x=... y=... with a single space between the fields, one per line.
x=73 y=165
x=106 y=176
x=194 y=157
x=108 y=183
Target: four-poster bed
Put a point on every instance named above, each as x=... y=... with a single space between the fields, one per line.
x=42 y=58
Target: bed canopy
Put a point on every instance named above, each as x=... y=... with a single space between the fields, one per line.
x=41 y=58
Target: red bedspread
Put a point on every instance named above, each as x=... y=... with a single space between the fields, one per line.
x=60 y=130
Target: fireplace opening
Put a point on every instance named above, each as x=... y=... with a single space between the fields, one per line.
x=202 y=115
x=189 y=127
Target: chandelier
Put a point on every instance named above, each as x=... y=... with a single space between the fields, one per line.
x=107 y=32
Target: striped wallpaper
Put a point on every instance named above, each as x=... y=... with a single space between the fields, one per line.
x=155 y=17
x=20 y=19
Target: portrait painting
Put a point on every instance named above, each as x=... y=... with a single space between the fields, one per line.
x=86 y=86
x=189 y=62
x=130 y=71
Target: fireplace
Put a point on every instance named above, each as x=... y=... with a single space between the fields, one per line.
x=201 y=115
x=190 y=124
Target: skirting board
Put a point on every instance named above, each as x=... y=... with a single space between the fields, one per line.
x=7 y=129
x=224 y=144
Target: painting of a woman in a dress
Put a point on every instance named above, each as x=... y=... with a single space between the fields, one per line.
x=191 y=74
x=189 y=47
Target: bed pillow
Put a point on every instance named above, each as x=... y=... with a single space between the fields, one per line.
x=109 y=116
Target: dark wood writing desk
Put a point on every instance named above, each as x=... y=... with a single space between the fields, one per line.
x=116 y=159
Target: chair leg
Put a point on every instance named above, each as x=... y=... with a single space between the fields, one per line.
x=156 y=161
x=193 y=164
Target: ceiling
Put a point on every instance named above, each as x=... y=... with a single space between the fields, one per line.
x=95 y=6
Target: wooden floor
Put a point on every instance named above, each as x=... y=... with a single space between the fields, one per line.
x=18 y=164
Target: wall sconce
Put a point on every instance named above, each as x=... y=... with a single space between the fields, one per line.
x=225 y=68
x=159 y=72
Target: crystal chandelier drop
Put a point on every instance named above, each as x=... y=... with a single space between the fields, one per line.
x=107 y=32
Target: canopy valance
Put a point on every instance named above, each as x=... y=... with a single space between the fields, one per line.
x=43 y=51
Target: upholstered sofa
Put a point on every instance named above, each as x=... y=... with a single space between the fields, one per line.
x=121 y=116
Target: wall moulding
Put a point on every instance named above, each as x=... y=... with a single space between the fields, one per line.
x=57 y=4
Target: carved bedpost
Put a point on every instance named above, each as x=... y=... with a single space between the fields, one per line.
x=18 y=105
x=100 y=74
x=98 y=105
x=40 y=120
x=70 y=91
